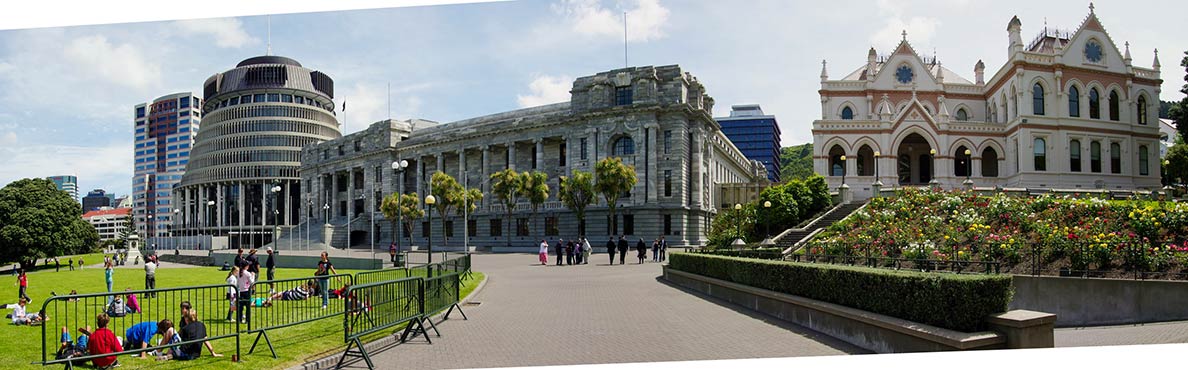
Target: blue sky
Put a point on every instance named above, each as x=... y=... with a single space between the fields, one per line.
x=66 y=93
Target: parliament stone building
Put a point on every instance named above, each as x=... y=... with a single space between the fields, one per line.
x=658 y=119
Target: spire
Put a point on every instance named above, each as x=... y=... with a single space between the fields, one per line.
x=980 y=72
x=1156 y=64
x=885 y=109
x=942 y=109
x=269 y=50
x=1090 y=7
x=870 y=55
x=1126 y=55
x=913 y=90
x=824 y=74
x=940 y=73
x=904 y=35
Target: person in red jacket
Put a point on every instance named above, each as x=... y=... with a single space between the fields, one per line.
x=103 y=341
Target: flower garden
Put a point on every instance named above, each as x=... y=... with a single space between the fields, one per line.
x=1083 y=236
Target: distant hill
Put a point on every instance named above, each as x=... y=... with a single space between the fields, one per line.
x=796 y=162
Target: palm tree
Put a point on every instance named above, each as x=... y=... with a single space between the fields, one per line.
x=614 y=180
x=506 y=186
x=534 y=186
x=577 y=192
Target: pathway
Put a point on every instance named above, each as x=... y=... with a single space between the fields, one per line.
x=592 y=314
x=1155 y=333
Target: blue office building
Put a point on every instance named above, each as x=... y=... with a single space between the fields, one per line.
x=756 y=135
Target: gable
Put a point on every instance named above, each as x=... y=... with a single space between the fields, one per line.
x=887 y=78
x=1092 y=31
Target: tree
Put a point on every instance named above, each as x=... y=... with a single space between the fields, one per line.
x=796 y=162
x=577 y=192
x=470 y=202
x=129 y=226
x=1177 y=167
x=534 y=186
x=506 y=186
x=614 y=180
x=784 y=211
x=39 y=221
x=447 y=191
x=1179 y=112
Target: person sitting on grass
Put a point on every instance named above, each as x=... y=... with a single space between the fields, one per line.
x=138 y=336
x=300 y=293
x=193 y=330
x=117 y=308
x=103 y=341
x=133 y=305
x=22 y=317
x=168 y=337
x=70 y=348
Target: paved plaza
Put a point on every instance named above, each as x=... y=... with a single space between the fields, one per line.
x=595 y=314
x=1154 y=333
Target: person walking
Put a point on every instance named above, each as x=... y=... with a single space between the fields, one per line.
x=560 y=250
x=270 y=264
x=569 y=253
x=577 y=251
x=655 y=250
x=253 y=262
x=108 y=275
x=623 y=249
x=150 y=277
x=57 y=265
x=663 y=249
x=610 y=249
x=586 y=250
x=80 y=263
x=232 y=292
x=23 y=281
x=325 y=269
x=544 y=252
x=70 y=264
x=392 y=253
x=246 y=283
x=642 y=250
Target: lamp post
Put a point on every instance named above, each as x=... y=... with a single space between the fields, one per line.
x=968 y=170
x=767 y=225
x=430 y=200
x=209 y=205
x=151 y=231
x=399 y=167
x=738 y=224
x=878 y=184
x=843 y=163
x=176 y=215
x=308 y=222
x=371 y=217
x=275 y=214
x=1167 y=184
x=932 y=168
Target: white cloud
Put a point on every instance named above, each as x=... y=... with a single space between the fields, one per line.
x=106 y=166
x=227 y=32
x=366 y=104
x=645 y=21
x=919 y=29
x=546 y=90
x=120 y=64
x=9 y=138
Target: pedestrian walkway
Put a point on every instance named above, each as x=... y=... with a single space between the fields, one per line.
x=594 y=314
x=1154 y=333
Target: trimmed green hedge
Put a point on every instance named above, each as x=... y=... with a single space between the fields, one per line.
x=762 y=253
x=958 y=302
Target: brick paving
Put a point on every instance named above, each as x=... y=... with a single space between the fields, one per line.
x=594 y=314
x=1154 y=333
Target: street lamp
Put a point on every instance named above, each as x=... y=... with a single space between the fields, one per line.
x=151 y=230
x=430 y=200
x=275 y=214
x=968 y=170
x=176 y=214
x=210 y=205
x=738 y=224
x=878 y=184
x=399 y=168
x=767 y=225
x=843 y=163
x=370 y=216
x=932 y=168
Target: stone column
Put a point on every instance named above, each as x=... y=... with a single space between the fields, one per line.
x=539 y=153
x=511 y=155
x=420 y=173
x=483 y=170
x=462 y=178
x=651 y=156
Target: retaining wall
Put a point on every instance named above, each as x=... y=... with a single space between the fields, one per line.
x=1091 y=301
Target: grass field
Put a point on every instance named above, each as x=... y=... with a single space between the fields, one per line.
x=294 y=345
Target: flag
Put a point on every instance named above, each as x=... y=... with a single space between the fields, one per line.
x=344 y=104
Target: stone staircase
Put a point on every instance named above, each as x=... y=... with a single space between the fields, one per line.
x=791 y=239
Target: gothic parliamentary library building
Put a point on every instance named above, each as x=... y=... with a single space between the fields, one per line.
x=1068 y=110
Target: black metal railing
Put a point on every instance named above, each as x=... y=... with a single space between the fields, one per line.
x=374 y=307
x=375 y=276
x=280 y=303
x=74 y=311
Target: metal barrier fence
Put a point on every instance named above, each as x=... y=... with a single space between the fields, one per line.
x=378 y=306
x=375 y=276
x=280 y=303
x=81 y=310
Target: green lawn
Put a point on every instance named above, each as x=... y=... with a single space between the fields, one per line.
x=294 y=345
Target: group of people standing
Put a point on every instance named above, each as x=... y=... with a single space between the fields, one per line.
x=577 y=252
x=574 y=252
x=659 y=249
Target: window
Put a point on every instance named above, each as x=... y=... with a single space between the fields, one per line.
x=1041 y=155
x=668 y=183
x=472 y=228
x=274 y=97
x=299 y=99
x=521 y=227
x=258 y=98
x=629 y=224
x=1113 y=105
x=184 y=102
x=1115 y=158
x=962 y=115
x=847 y=113
x=496 y=227
x=624 y=146
x=561 y=150
x=667 y=141
x=583 y=150
x=286 y=98
x=1142 y=110
x=534 y=157
x=551 y=228
x=836 y=166
x=139 y=112
x=623 y=95
x=1094 y=104
x=340 y=152
x=962 y=167
x=1037 y=99
x=358 y=146
x=1144 y=161
x=1074 y=156
x=1095 y=157
x=424 y=229
x=448 y=225
x=667 y=224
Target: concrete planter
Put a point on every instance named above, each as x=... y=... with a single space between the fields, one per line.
x=1080 y=301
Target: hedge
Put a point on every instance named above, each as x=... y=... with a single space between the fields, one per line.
x=762 y=253
x=958 y=302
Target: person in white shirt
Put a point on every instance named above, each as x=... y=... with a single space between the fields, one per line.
x=544 y=252
x=232 y=295
x=150 y=277
x=246 y=280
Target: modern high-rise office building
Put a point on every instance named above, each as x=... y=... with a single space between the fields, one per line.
x=96 y=199
x=243 y=180
x=164 y=131
x=756 y=135
x=67 y=183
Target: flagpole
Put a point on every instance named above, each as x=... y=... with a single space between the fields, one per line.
x=625 y=64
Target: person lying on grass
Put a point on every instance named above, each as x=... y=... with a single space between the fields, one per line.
x=70 y=348
x=300 y=293
x=21 y=317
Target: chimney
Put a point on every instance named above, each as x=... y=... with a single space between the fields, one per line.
x=980 y=72
x=1014 y=30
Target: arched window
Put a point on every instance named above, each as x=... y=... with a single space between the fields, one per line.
x=837 y=167
x=1074 y=101
x=1074 y=155
x=1041 y=154
x=1144 y=162
x=962 y=165
x=1095 y=157
x=1094 y=104
x=1113 y=105
x=847 y=113
x=962 y=115
x=1037 y=99
x=1115 y=158
x=866 y=161
x=624 y=147
x=989 y=162
x=1142 y=110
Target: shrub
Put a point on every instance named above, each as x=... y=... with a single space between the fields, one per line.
x=958 y=302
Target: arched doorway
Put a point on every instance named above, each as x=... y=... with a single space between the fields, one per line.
x=915 y=164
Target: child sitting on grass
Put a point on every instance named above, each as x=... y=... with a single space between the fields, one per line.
x=70 y=348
